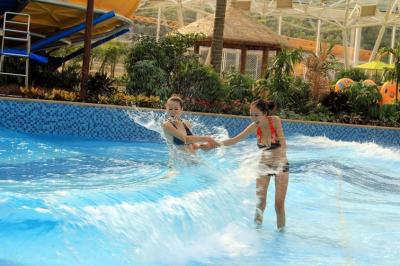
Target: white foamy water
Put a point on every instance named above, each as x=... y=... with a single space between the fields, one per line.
x=367 y=149
x=105 y=203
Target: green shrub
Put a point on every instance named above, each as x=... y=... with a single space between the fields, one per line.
x=364 y=100
x=300 y=95
x=260 y=89
x=197 y=81
x=390 y=114
x=168 y=53
x=294 y=94
x=45 y=77
x=320 y=113
x=238 y=86
x=149 y=79
x=162 y=63
x=69 y=78
x=352 y=73
x=99 y=84
x=13 y=65
x=336 y=102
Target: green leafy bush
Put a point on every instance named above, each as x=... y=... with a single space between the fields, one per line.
x=364 y=100
x=238 y=86
x=197 y=81
x=165 y=64
x=45 y=77
x=13 y=65
x=260 y=89
x=99 y=84
x=352 y=73
x=390 y=114
x=336 y=102
x=149 y=79
x=294 y=94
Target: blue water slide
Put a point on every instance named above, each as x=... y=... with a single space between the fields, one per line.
x=22 y=53
x=57 y=62
x=56 y=37
x=68 y=32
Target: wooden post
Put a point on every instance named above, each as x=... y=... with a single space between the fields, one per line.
x=86 y=49
x=264 y=62
x=196 y=48
x=243 y=56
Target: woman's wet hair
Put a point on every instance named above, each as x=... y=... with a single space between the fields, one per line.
x=264 y=106
x=176 y=98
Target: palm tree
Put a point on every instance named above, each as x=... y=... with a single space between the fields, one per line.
x=282 y=66
x=218 y=35
x=318 y=67
x=279 y=81
x=110 y=55
x=393 y=74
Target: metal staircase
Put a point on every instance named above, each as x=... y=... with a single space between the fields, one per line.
x=15 y=33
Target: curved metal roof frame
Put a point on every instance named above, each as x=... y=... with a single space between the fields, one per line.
x=345 y=14
x=342 y=14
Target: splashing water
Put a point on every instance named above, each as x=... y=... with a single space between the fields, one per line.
x=109 y=203
x=154 y=120
x=151 y=120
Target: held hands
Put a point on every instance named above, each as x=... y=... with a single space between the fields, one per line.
x=211 y=144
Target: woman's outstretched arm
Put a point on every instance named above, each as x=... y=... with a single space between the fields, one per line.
x=242 y=135
x=170 y=129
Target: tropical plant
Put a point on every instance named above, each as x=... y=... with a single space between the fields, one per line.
x=295 y=95
x=364 y=100
x=197 y=81
x=168 y=53
x=284 y=62
x=99 y=84
x=238 y=86
x=174 y=49
x=352 y=73
x=260 y=89
x=282 y=68
x=300 y=96
x=337 y=102
x=49 y=94
x=110 y=55
x=318 y=67
x=279 y=83
x=390 y=114
x=149 y=79
x=154 y=68
x=44 y=76
x=393 y=74
x=12 y=65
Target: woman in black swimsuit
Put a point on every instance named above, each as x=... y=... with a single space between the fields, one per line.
x=178 y=132
x=271 y=140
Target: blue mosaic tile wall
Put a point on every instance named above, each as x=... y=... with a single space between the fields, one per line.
x=107 y=123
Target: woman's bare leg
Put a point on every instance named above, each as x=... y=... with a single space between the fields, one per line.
x=262 y=183
x=281 y=185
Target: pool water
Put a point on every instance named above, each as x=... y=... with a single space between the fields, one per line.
x=70 y=201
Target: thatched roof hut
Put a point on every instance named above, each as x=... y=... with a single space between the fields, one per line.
x=240 y=32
